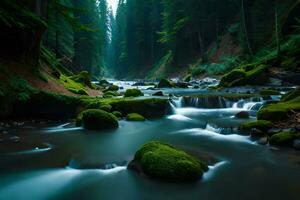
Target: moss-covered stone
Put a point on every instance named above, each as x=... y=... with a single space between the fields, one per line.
x=83 y=78
x=158 y=94
x=135 y=117
x=106 y=107
x=291 y=95
x=165 y=162
x=283 y=139
x=149 y=108
x=80 y=91
x=187 y=78
x=110 y=94
x=118 y=114
x=111 y=88
x=133 y=93
x=165 y=83
x=233 y=78
x=242 y=76
x=268 y=92
x=94 y=119
x=261 y=125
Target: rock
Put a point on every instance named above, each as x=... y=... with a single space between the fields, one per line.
x=181 y=85
x=273 y=131
x=111 y=88
x=296 y=144
x=256 y=133
x=117 y=114
x=261 y=125
x=110 y=94
x=141 y=83
x=133 y=93
x=263 y=141
x=165 y=162
x=103 y=82
x=105 y=107
x=135 y=117
x=268 y=92
x=187 y=78
x=165 y=83
x=159 y=93
x=95 y=119
x=242 y=115
x=282 y=139
x=83 y=78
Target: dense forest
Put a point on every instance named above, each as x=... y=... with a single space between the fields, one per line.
x=149 y=99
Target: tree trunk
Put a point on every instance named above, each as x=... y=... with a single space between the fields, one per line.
x=245 y=28
x=277 y=31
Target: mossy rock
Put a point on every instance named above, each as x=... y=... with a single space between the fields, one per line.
x=133 y=93
x=83 y=78
x=269 y=92
x=167 y=163
x=261 y=125
x=149 y=108
x=135 y=117
x=233 y=78
x=106 y=107
x=165 y=83
x=80 y=91
x=158 y=94
x=110 y=94
x=283 y=139
x=240 y=77
x=272 y=113
x=95 y=119
x=112 y=88
x=187 y=78
x=117 y=114
x=291 y=95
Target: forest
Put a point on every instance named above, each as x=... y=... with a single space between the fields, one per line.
x=157 y=99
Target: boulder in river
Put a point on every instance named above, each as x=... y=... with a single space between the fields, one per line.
x=242 y=115
x=261 y=125
x=165 y=83
x=94 y=119
x=135 y=117
x=167 y=163
x=283 y=139
x=159 y=93
x=133 y=93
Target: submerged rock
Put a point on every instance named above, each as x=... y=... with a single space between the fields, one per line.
x=135 y=117
x=165 y=162
x=95 y=119
x=242 y=115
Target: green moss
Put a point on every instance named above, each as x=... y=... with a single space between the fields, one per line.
x=105 y=107
x=133 y=93
x=110 y=94
x=245 y=76
x=283 y=139
x=117 y=114
x=149 y=108
x=268 y=92
x=187 y=78
x=278 y=112
x=291 y=95
x=165 y=83
x=72 y=86
x=80 y=91
x=165 y=162
x=261 y=125
x=83 y=78
x=233 y=78
x=111 y=88
x=135 y=117
x=94 y=119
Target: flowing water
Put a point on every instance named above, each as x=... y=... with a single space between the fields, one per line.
x=77 y=164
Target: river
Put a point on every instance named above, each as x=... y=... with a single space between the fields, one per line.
x=77 y=164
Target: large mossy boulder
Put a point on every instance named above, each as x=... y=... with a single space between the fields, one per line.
x=110 y=94
x=149 y=108
x=245 y=76
x=165 y=83
x=165 y=162
x=283 y=139
x=113 y=88
x=291 y=95
x=83 y=78
x=133 y=93
x=135 y=117
x=95 y=119
x=261 y=125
